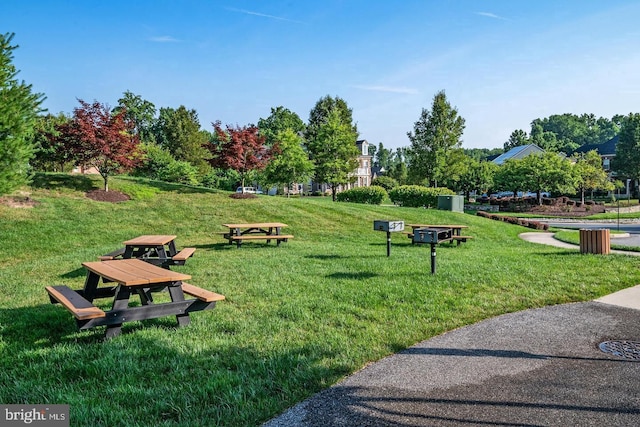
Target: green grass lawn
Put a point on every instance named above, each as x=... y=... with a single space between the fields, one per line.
x=296 y=319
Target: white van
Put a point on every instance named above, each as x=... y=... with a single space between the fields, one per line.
x=246 y=190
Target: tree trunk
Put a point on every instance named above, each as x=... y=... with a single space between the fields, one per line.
x=333 y=193
x=105 y=177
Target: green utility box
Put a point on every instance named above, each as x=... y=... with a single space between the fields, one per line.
x=451 y=203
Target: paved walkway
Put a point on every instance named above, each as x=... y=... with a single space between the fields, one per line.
x=539 y=367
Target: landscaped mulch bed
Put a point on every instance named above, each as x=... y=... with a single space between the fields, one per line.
x=107 y=196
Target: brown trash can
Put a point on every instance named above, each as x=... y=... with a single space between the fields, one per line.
x=595 y=241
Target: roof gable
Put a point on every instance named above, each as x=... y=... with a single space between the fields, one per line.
x=605 y=149
x=518 y=152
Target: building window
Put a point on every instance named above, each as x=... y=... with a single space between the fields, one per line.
x=605 y=164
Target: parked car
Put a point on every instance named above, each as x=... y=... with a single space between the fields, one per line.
x=245 y=190
x=251 y=190
x=502 y=194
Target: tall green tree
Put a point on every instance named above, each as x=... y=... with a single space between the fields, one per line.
x=517 y=138
x=548 y=172
x=482 y=153
x=319 y=115
x=140 y=112
x=627 y=159
x=290 y=162
x=566 y=132
x=589 y=173
x=398 y=165
x=19 y=108
x=478 y=176
x=455 y=165
x=547 y=140
x=178 y=131
x=50 y=151
x=435 y=134
x=383 y=156
x=333 y=150
x=280 y=120
x=511 y=176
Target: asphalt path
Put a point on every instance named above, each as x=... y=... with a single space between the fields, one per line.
x=630 y=227
x=563 y=365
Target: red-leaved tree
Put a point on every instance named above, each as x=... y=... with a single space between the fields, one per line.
x=102 y=139
x=239 y=148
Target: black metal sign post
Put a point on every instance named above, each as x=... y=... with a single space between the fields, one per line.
x=431 y=236
x=388 y=243
x=388 y=226
x=433 y=258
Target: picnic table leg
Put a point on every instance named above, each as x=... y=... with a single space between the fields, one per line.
x=177 y=295
x=121 y=301
x=278 y=241
x=145 y=296
x=161 y=252
x=128 y=252
x=236 y=232
x=90 y=286
x=172 y=249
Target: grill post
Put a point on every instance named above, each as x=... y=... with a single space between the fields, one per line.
x=388 y=226
x=433 y=258
x=388 y=243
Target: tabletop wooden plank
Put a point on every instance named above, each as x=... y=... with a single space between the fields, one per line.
x=132 y=272
x=256 y=225
x=150 y=240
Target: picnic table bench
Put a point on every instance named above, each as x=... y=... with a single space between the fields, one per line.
x=256 y=231
x=155 y=249
x=131 y=276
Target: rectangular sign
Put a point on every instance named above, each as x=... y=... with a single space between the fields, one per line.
x=34 y=415
x=384 y=225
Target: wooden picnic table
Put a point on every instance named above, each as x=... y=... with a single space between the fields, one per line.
x=453 y=231
x=155 y=249
x=131 y=276
x=256 y=231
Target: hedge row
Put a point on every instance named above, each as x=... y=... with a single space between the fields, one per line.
x=536 y=225
x=372 y=195
x=417 y=196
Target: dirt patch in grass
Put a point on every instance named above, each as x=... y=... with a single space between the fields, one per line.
x=18 y=201
x=243 y=196
x=107 y=196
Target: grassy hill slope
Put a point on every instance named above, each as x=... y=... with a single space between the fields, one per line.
x=296 y=319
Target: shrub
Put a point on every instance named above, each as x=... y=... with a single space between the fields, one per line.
x=159 y=164
x=385 y=182
x=221 y=179
x=417 y=195
x=181 y=172
x=373 y=195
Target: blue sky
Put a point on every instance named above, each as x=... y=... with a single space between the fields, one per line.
x=501 y=63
